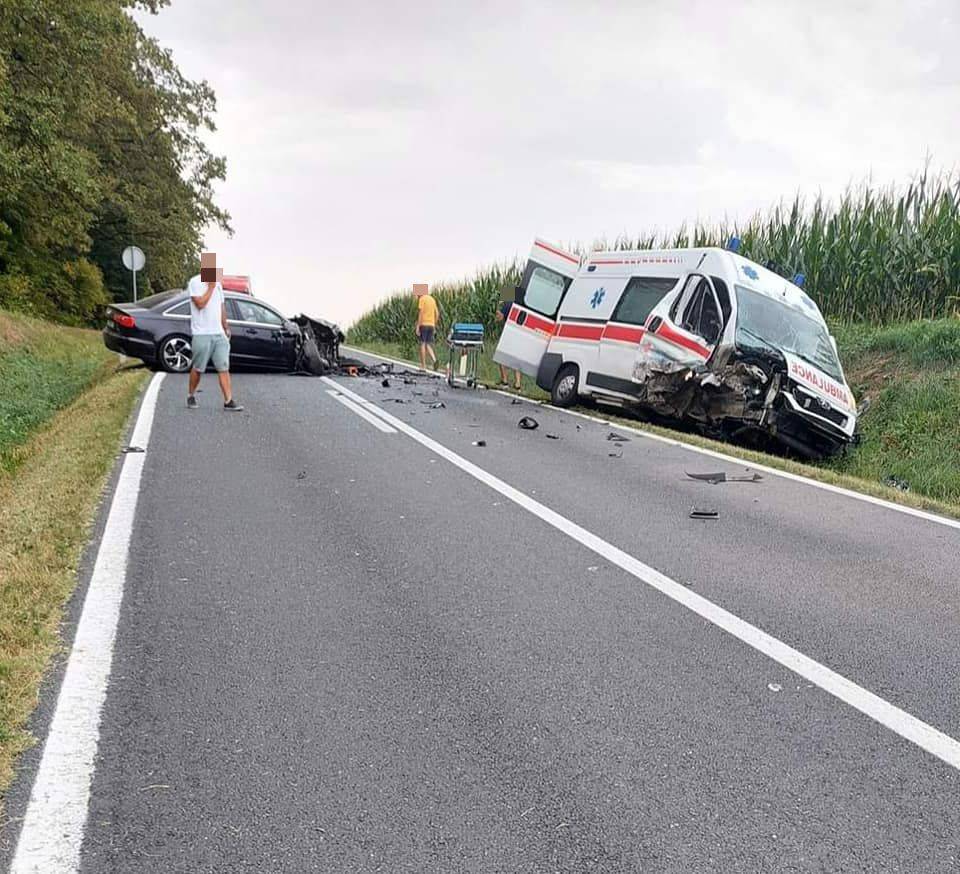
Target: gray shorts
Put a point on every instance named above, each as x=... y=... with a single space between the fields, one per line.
x=210 y=347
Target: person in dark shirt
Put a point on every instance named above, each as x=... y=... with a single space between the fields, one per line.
x=503 y=313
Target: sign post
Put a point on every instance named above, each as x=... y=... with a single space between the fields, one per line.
x=133 y=260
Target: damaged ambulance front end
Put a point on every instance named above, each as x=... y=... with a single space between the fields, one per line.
x=772 y=372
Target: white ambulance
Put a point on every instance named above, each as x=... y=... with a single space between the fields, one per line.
x=702 y=335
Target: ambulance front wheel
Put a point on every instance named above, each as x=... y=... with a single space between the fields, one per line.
x=564 y=391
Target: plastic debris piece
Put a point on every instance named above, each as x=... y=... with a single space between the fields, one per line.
x=617 y=438
x=302 y=475
x=774 y=687
x=704 y=513
x=528 y=423
x=896 y=483
x=385 y=383
x=479 y=442
x=516 y=401
x=553 y=436
x=129 y=449
x=435 y=405
x=721 y=477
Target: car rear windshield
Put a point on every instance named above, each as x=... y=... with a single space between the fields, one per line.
x=153 y=300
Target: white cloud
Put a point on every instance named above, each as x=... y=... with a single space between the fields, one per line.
x=374 y=144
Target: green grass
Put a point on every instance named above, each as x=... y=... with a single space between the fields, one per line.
x=43 y=368
x=61 y=432
x=906 y=376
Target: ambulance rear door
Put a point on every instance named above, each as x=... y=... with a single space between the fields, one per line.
x=530 y=324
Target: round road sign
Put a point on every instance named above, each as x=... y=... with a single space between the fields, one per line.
x=133 y=258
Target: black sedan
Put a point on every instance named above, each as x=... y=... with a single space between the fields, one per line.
x=156 y=330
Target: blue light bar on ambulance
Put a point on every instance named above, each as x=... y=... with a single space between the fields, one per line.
x=799 y=279
x=733 y=244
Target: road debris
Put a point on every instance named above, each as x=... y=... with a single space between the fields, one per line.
x=553 y=436
x=896 y=483
x=385 y=383
x=515 y=401
x=128 y=449
x=479 y=442
x=704 y=513
x=617 y=438
x=435 y=405
x=615 y=454
x=528 y=423
x=721 y=477
x=302 y=475
x=774 y=687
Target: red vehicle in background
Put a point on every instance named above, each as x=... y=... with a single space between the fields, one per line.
x=240 y=284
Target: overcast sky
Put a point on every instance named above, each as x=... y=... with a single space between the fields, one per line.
x=372 y=145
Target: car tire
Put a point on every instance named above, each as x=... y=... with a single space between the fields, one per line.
x=564 y=390
x=174 y=353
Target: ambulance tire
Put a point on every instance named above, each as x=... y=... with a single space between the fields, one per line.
x=564 y=391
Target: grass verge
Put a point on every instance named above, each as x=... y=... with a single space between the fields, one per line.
x=43 y=368
x=55 y=465
x=928 y=457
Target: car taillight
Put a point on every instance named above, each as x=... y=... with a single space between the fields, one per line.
x=124 y=321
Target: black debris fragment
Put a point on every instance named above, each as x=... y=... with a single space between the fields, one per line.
x=385 y=383
x=528 y=423
x=479 y=442
x=896 y=483
x=128 y=449
x=615 y=454
x=409 y=381
x=702 y=513
x=721 y=477
x=302 y=475
x=516 y=401
x=553 y=436
x=435 y=405
x=617 y=438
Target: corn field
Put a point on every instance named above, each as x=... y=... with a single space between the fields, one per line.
x=879 y=255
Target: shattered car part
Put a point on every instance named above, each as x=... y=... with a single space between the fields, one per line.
x=702 y=513
x=721 y=477
x=319 y=347
x=528 y=423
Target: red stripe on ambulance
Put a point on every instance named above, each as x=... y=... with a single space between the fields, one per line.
x=573 y=331
x=671 y=336
x=623 y=333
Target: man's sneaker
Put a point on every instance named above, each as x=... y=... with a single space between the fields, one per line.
x=233 y=406
x=192 y=402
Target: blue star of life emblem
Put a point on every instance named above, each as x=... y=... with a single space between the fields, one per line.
x=597 y=298
x=749 y=271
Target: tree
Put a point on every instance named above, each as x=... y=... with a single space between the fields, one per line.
x=100 y=145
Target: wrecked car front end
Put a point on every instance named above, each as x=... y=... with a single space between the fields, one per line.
x=318 y=349
x=752 y=391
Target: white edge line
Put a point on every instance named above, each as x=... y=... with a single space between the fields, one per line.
x=907 y=726
x=720 y=456
x=53 y=826
x=362 y=413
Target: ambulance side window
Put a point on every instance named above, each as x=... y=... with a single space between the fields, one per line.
x=702 y=316
x=639 y=298
x=544 y=290
x=683 y=299
x=723 y=296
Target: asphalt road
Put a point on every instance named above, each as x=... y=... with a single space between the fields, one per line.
x=338 y=651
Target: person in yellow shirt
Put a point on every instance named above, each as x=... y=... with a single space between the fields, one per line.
x=427 y=312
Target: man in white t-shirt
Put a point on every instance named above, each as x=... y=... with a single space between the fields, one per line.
x=210 y=332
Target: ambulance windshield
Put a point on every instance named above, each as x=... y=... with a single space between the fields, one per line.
x=765 y=320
